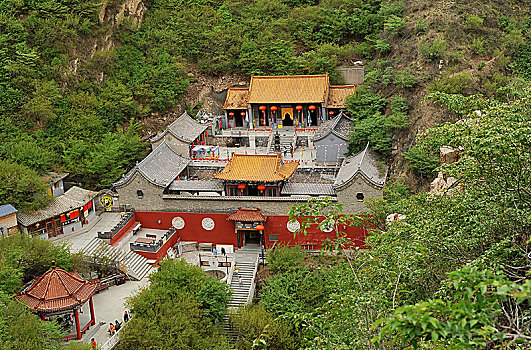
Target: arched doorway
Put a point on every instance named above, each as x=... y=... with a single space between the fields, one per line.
x=287 y=120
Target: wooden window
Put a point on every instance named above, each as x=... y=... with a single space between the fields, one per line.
x=360 y=196
x=139 y=193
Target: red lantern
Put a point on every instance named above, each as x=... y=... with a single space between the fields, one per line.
x=274 y=108
x=231 y=114
x=299 y=108
x=312 y=108
x=262 y=108
x=241 y=187
x=242 y=114
x=260 y=227
x=331 y=112
x=261 y=187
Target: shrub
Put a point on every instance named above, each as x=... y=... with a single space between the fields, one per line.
x=473 y=22
x=404 y=79
x=382 y=45
x=452 y=83
x=434 y=50
x=478 y=46
x=284 y=259
x=395 y=25
x=422 y=161
x=421 y=27
x=254 y=322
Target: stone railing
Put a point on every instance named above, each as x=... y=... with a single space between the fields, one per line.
x=126 y=218
x=155 y=246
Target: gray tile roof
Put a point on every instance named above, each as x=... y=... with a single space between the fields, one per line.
x=7 y=209
x=196 y=185
x=184 y=128
x=364 y=163
x=160 y=167
x=341 y=126
x=294 y=188
x=74 y=198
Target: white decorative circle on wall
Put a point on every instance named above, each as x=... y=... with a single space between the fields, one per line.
x=293 y=226
x=178 y=222
x=208 y=224
x=329 y=227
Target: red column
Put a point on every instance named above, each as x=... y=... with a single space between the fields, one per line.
x=78 y=330
x=92 y=317
x=43 y=317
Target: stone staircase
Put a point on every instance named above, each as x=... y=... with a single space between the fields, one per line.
x=136 y=266
x=287 y=137
x=246 y=259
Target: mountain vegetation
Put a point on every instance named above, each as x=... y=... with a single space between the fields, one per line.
x=79 y=80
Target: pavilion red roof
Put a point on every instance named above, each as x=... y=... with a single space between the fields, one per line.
x=57 y=290
x=247 y=215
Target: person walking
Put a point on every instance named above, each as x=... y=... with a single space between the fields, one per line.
x=223 y=251
x=93 y=343
x=236 y=269
x=240 y=280
x=126 y=316
x=215 y=251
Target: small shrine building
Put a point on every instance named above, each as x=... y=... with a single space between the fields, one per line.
x=299 y=101
x=59 y=292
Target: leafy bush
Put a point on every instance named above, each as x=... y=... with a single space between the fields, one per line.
x=285 y=258
x=422 y=161
x=452 y=83
x=364 y=103
x=421 y=27
x=181 y=300
x=22 y=187
x=478 y=46
x=434 y=50
x=395 y=24
x=473 y=22
x=256 y=326
x=404 y=79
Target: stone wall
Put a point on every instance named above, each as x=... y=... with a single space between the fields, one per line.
x=347 y=195
x=153 y=199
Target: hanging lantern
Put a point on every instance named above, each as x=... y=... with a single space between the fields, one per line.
x=331 y=112
x=299 y=108
x=312 y=108
x=241 y=187
x=231 y=114
x=274 y=108
x=262 y=108
x=260 y=227
x=242 y=114
x=261 y=188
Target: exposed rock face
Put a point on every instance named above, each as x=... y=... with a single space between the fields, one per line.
x=448 y=155
x=441 y=185
x=116 y=13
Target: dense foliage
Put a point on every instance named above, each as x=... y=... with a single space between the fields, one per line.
x=451 y=275
x=181 y=309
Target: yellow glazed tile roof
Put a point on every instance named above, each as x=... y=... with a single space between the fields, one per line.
x=338 y=94
x=236 y=98
x=259 y=168
x=289 y=89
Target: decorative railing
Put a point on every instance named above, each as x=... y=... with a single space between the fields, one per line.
x=125 y=219
x=155 y=246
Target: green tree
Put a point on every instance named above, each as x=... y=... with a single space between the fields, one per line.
x=21 y=187
x=178 y=310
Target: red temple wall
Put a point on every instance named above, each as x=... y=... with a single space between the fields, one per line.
x=123 y=231
x=223 y=232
